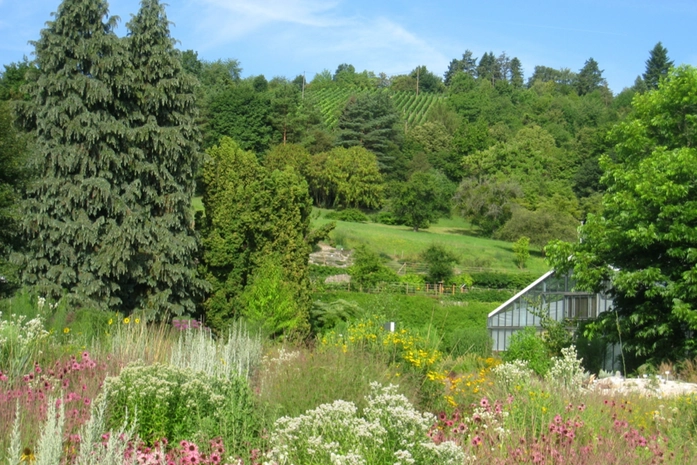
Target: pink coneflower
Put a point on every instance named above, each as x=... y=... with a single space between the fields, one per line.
x=477 y=441
x=442 y=416
x=484 y=402
x=87 y=401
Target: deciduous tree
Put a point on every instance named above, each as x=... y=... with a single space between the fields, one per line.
x=644 y=241
x=424 y=198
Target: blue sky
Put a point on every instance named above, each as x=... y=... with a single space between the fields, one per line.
x=289 y=37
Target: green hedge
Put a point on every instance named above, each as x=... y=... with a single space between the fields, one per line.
x=498 y=280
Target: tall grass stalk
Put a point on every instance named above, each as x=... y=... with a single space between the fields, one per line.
x=151 y=343
x=197 y=350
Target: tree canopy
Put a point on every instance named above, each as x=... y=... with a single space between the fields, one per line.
x=643 y=242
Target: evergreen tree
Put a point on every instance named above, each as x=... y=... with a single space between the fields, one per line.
x=251 y=214
x=13 y=175
x=516 y=72
x=657 y=66
x=78 y=216
x=468 y=65
x=108 y=221
x=164 y=152
x=370 y=121
x=488 y=68
x=589 y=78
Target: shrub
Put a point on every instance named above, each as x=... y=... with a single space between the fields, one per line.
x=368 y=269
x=351 y=215
x=440 y=263
x=496 y=280
x=528 y=346
x=387 y=218
x=176 y=403
x=412 y=279
x=566 y=371
x=389 y=430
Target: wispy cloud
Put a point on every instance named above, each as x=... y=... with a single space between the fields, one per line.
x=311 y=31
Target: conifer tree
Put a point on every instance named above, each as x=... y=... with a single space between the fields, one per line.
x=76 y=218
x=657 y=66
x=108 y=222
x=164 y=153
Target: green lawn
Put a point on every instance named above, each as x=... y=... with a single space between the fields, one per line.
x=402 y=244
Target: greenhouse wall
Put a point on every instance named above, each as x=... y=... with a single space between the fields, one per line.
x=552 y=294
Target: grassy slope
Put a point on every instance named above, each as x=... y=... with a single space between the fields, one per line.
x=402 y=244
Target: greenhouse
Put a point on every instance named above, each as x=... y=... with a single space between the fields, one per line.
x=552 y=294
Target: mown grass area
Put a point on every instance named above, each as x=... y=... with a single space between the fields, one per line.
x=402 y=244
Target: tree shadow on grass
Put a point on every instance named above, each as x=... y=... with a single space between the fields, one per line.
x=464 y=232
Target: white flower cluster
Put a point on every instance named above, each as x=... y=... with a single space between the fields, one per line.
x=389 y=431
x=512 y=374
x=20 y=333
x=567 y=372
x=166 y=388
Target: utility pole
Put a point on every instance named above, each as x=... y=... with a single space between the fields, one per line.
x=303 y=94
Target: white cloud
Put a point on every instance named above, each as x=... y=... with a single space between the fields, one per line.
x=312 y=31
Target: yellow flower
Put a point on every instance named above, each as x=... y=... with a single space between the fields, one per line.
x=27 y=455
x=111 y=320
x=126 y=320
x=66 y=330
x=137 y=320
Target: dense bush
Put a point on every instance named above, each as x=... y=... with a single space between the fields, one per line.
x=321 y=272
x=176 y=403
x=526 y=345
x=352 y=215
x=389 y=429
x=498 y=280
x=386 y=217
x=482 y=295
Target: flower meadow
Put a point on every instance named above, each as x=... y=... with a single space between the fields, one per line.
x=117 y=389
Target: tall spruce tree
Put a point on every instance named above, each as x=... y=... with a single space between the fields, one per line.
x=76 y=217
x=164 y=152
x=107 y=221
x=657 y=66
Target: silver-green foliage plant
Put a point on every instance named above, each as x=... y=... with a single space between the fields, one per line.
x=95 y=450
x=198 y=351
x=178 y=403
x=49 y=447
x=566 y=371
x=389 y=430
x=14 y=451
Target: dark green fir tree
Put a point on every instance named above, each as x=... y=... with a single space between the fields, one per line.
x=164 y=152
x=106 y=222
x=657 y=66
x=75 y=215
